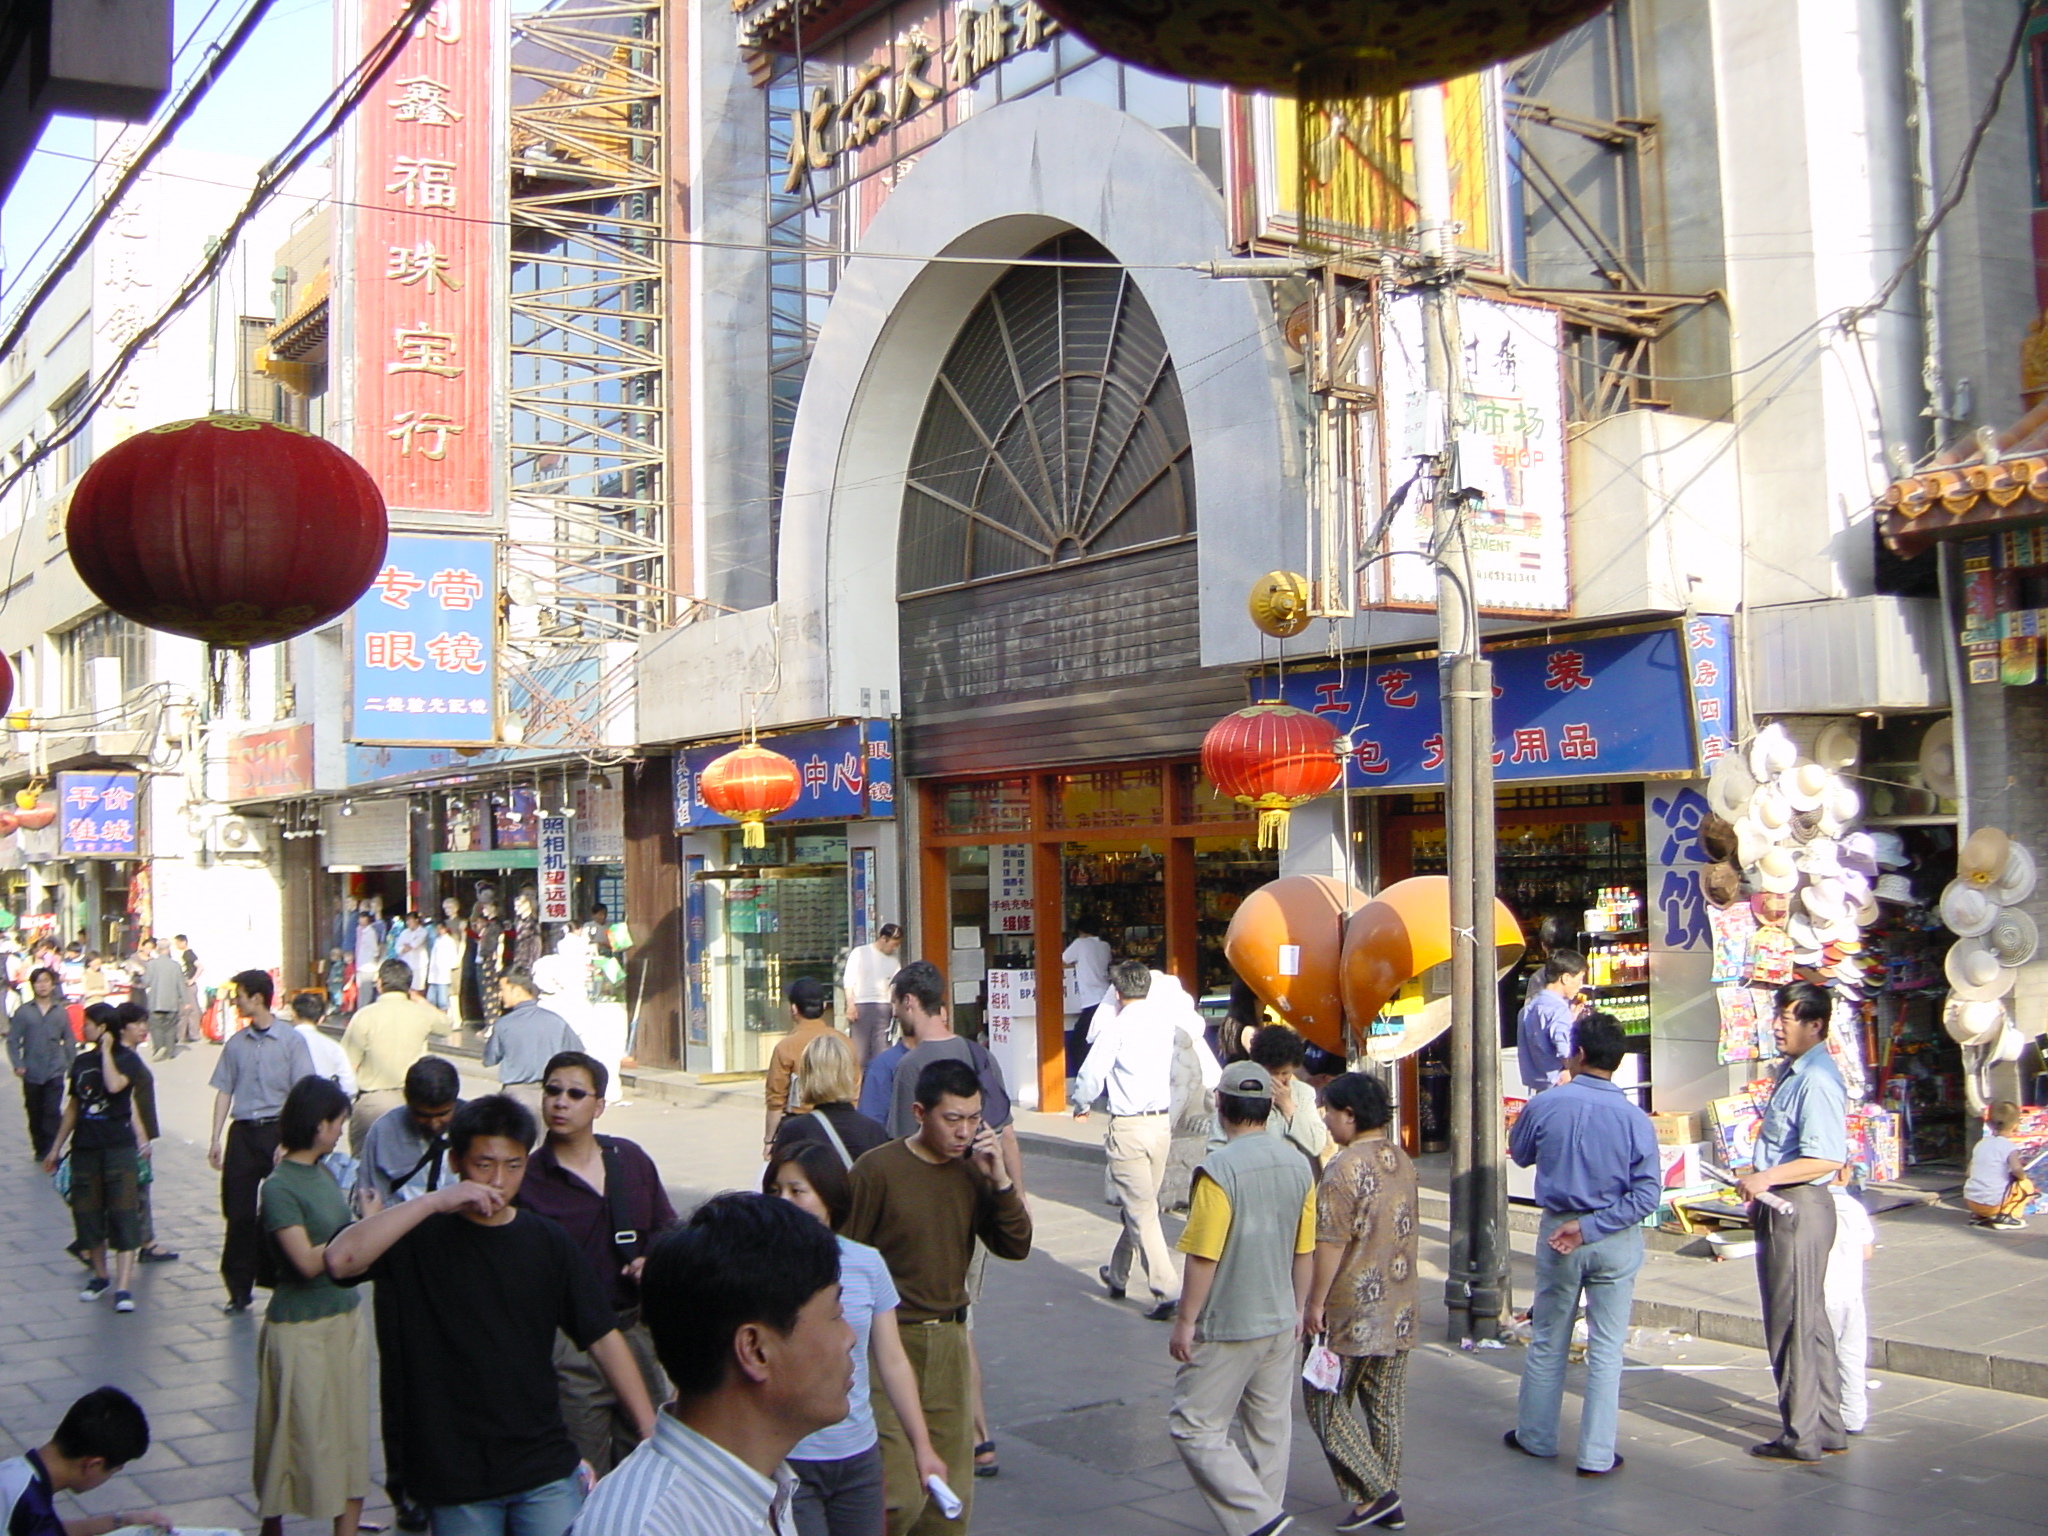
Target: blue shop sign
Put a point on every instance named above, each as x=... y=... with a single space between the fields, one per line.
x=1611 y=707
x=425 y=668
x=849 y=774
x=98 y=813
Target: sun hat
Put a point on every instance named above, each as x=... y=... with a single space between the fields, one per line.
x=1890 y=850
x=1895 y=888
x=1967 y=911
x=1807 y=785
x=1843 y=803
x=1730 y=786
x=1717 y=837
x=1771 y=753
x=1722 y=884
x=1973 y=1023
x=1807 y=825
x=2015 y=883
x=1246 y=1080
x=1820 y=858
x=1839 y=745
x=1974 y=974
x=1771 y=908
x=1770 y=810
x=1825 y=901
x=2013 y=937
x=1805 y=941
x=1982 y=859
x=1776 y=872
x=1938 y=759
x=1858 y=852
x=1752 y=842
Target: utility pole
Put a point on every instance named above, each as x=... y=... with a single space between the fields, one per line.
x=1476 y=1292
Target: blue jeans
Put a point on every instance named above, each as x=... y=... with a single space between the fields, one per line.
x=544 y=1511
x=1606 y=1272
x=437 y=994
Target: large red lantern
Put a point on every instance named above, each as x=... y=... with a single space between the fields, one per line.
x=1271 y=757
x=1323 y=47
x=227 y=529
x=749 y=784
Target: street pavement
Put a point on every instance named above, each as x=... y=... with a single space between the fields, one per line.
x=1077 y=1384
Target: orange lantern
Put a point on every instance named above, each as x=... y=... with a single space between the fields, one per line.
x=1272 y=757
x=1285 y=940
x=748 y=785
x=1399 y=936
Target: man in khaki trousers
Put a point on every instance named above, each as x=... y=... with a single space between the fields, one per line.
x=1132 y=1061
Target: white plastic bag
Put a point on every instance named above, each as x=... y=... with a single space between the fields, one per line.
x=1322 y=1370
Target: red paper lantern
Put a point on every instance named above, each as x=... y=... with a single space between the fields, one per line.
x=6 y=685
x=749 y=784
x=1327 y=47
x=227 y=529
x=1271 y=757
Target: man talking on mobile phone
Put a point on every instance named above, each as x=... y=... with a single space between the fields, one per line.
x=923 y=1201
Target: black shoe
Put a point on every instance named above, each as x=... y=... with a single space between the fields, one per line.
x=989 y=1468
x=1602 y=1472
x=409 y=1516
x=1164 y=1312
x=1513 y=1444
x=78 y=1252
x=1384 y=1511
x=1778 y=1450
x=155 y=1256
x=235 y=1304
x=1116 y=1292
x=1274 y=1526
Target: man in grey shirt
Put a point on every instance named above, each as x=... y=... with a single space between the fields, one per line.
x=525 y=1039
x=918 y=995
x=257 y=1068
x=404 y=1152
x=40 y=1048
x=163 y=979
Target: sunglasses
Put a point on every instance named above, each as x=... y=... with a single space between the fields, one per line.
x=564 y=1091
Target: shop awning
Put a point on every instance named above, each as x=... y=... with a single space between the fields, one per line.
x=1997 y=480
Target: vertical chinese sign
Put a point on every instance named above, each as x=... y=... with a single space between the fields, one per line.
x=423 y=262
x=424 y=671
x=554 y=869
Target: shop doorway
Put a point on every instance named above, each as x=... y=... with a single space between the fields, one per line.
x=765 y=926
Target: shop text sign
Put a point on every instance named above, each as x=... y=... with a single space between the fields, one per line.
x=554 y=869
x=848 y=771
x=1009 y=889
x=1615 y=707
x=99 y=813
x=423 y=260
x=424 y=635
x=265 y=764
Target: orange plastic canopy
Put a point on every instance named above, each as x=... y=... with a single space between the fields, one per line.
x=1395 y=938
x=1286 y=940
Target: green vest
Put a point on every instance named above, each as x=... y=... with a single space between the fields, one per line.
x=1266 y=1180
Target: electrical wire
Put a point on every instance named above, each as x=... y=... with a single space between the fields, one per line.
x=325 y=122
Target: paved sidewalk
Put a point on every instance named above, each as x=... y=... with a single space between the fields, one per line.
x=1078 y=1385
x=1947 y=1301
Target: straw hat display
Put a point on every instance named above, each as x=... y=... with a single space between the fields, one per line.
x=1981 y=907
x=1974 y=974
x=1729 y=787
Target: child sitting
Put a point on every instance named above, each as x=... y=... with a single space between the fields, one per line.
x=103 y=1431
x=1998 y=1188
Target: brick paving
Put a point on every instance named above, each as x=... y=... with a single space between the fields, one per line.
x=1077 y=1385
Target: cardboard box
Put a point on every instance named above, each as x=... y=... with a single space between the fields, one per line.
x=1676 y=1130
x=1679 y=1166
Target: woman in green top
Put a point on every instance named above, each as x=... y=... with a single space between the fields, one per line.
x=313 y=1355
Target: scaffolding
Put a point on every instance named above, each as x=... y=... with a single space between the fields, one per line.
x=588 y=563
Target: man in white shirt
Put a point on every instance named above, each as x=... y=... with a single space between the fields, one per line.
x=865 y=981
x=1132 y=1059
x=1087 y=958
x=413 y=945
x=329 y=1060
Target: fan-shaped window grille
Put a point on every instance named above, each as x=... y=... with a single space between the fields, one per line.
x=1054 y=434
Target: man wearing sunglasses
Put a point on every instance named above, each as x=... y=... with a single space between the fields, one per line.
x=606 y=1193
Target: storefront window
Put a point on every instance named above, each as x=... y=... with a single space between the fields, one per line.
x=1109 y=798
x=1227 y=869
x=1197 y=802
x=1122 y=887
x=988 y=805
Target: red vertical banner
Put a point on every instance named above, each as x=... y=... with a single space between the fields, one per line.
x=423 y=261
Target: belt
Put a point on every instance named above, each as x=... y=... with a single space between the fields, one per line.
x=959 y=1316
x=258 y=1120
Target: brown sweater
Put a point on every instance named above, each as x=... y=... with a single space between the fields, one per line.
x=924 y=1218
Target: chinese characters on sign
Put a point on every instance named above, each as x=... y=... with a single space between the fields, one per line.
x=554 y=869
x=1009 y=889
x=1511 y=449
x=848 y=772
x=98 y=813
x=884 y=94
x=423 y=260
x=425 y=668
x=1613 y=707
x=1710 y=671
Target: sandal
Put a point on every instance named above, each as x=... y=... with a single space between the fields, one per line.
x=987 y=1468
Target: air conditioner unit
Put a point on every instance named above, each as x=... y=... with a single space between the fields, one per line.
x=243 y=835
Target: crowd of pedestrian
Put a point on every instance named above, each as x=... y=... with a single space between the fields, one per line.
x=557 y=1350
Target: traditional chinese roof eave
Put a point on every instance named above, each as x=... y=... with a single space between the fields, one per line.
x=1962 y=500
x=770 y=27
x=305 y=328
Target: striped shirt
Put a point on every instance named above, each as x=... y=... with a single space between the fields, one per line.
x=865 y=1289
x=681 y=1484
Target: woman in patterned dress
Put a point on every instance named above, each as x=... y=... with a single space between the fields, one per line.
x=1363 y=1299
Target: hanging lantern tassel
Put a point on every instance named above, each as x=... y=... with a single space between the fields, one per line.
x=1272 y=757
x=748 y=785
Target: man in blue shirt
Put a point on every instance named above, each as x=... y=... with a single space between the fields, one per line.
x=1596 y=1178
x=1543 y=1033
x=1803 y=1144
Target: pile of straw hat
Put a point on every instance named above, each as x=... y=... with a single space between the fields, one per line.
x=1981 y=907
x=1790 y=824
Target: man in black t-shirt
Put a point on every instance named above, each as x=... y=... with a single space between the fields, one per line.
x=478 y=1288
x=101 y=1128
